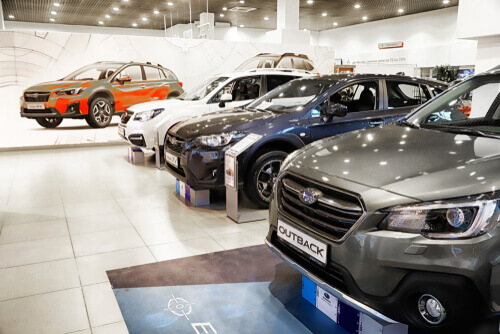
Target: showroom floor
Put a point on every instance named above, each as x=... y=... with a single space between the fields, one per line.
x=67 y=216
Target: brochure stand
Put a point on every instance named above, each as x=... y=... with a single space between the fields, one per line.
x=231 y=181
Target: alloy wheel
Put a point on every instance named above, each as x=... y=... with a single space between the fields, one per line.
x=266 y=178
x=102 y=112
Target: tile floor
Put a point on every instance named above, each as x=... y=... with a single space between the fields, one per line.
x=68 y=215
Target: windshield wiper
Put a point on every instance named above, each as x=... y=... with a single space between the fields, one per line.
x=411 y=125
x=463 y=130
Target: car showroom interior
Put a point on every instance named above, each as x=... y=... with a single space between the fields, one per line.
x=249 y=166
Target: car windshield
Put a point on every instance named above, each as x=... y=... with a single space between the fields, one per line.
x=470 y=107
x=293 y=96
x=94 y=72
x=259 y=62
x=203 y=89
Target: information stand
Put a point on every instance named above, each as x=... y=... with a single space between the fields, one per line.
x=231 y=181
x=158 y=154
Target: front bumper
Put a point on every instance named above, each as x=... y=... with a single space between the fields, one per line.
x=72 y=111
x=57 y=106
x=137 y=133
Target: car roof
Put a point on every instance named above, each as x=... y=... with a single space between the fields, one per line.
x=266 y=71
x=128 y=63
x=356 y=76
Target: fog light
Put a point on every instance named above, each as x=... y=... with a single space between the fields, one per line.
x=431 y=309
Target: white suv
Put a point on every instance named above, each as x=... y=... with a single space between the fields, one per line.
x=141 y=123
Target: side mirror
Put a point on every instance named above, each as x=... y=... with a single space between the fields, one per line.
x=224 y=99
x=123 y=80
x=334 y=110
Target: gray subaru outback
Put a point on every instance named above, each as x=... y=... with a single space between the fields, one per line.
x=402 y=221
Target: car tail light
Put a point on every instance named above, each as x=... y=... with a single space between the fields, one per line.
x=180 y=83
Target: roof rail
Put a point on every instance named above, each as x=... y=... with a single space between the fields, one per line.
x=286 y=70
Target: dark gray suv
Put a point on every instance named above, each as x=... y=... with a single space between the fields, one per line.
x=403 y=221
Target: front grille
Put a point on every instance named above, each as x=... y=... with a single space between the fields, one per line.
x=36 y=96
x=126 y=117
x=175 y=144
x=333 y=212
x=178 y=171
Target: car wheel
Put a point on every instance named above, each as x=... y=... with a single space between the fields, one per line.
x=260 y=180
x=49 y=122
x=100 y=113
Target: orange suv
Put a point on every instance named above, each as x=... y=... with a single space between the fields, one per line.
x=97 y=92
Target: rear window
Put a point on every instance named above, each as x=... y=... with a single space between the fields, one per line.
x=169 y=74
x=406 y=94
x=152 y=73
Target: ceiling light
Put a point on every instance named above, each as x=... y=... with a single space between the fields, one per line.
x=224 y=8
x=134 y=24
x=446 y=2
x=125 y=0
x=401 y=10
x=221 y=15
x=107 y=16
x=242 y=1
x=100 y=22
x=335 y=24
x=310 y=1
x=324 y=14
x=156 y=12
x=11 y=16
x=365 y=18
x=144 y=19
x=266 y=18
x=57 y=4
x=116 y=9
x=53 y=12
x=242 y=26
x=357 y=6
x=52 y=19
x=170 y=3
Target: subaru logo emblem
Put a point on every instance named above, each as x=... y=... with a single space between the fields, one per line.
x=309 y=196
x=35 y=95
x=327 y=296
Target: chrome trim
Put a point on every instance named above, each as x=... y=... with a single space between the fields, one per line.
x=327 y=200
x=338 y=294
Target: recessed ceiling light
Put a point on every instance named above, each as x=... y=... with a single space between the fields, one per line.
x=116 y=9
x=224 y=8
x=107 y=16
x=365 y=18
x=446 y=2
x=100 y=22
x=242 y=26
x=266 y=18
x=221 y=15
x=57 y=4
x=310 y=1
x=305 y=29
x=134 y=24
x=357 y=6
x=242 y=1
x=52 y=19
x=156 y=12
x=335 y=24
x=11 y=17
x=401 y=10
x=170 y=3
x=324 y=14
x=125 y=0
x=53 y=12
x=144 y=19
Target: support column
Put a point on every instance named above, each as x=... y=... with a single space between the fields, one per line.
x=2 y=21
x=287 y=27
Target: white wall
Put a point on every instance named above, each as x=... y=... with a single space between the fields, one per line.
x=429 y=38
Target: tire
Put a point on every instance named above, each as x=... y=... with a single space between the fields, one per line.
x=49 y=123
x=260 y=180
x=172 y=96
x=100 y=113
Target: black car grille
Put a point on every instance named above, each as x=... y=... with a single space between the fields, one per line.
x=127 y=115
x=333 y=212
x=175 y=144
x=36 y=96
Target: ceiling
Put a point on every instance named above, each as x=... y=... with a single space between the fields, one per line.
x=130 y=13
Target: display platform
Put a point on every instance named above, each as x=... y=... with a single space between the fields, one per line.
x=246 y=290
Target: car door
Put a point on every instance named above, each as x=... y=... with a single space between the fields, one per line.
x=244 y=90
x=129 y=93
x=365 y=109
x=157 y=88
x=402 y=96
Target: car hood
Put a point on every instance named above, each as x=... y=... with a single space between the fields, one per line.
x=53 y=86
x=170 y=104
x=420 y=164
x=222 y=121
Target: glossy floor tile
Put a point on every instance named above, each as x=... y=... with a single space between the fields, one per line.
x=69 y=215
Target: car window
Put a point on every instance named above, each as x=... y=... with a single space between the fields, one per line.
x=404 y=94
x=274 y=81
x=203 y=89
x=134 y=72
x=435 y=90
x=363 y=96
x=286 y=63
x=309 y=66
x=170 y=75
x=242 y=89
x=152 y=73
x=299 y=64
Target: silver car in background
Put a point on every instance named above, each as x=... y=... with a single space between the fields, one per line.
x=402 y=221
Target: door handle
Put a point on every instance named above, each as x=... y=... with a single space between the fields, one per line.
x=376 y=122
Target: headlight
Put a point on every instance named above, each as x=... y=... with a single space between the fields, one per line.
x=219 y=140
x=71 y=91
x=445 y=220
x=145 y=116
